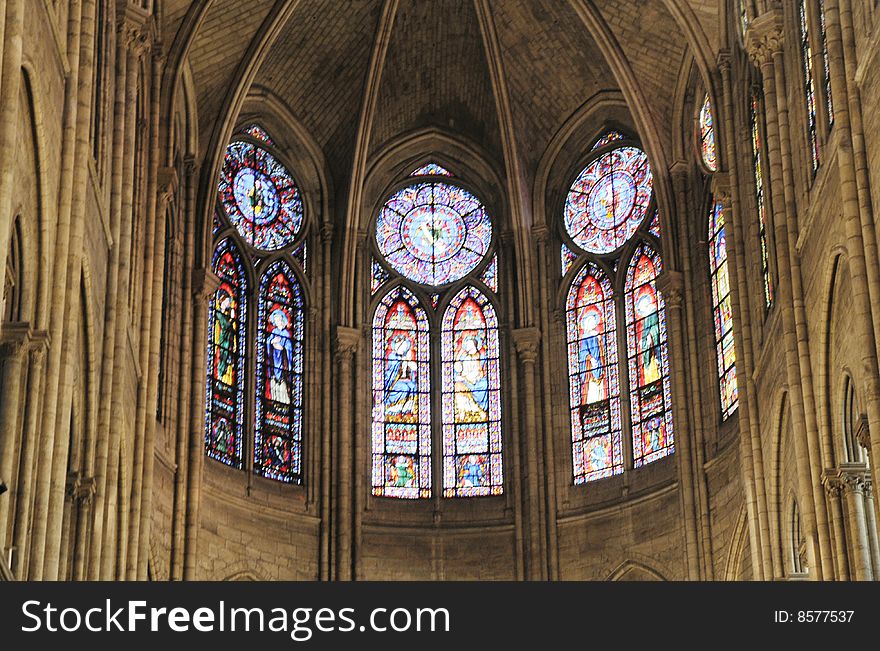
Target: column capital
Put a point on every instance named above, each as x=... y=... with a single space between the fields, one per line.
x=167 y=182
x=346 y=342
x=526 y=341
x=765 y=36
x=14 y=339
x=724 y=61
x=135 y=30
x=38 y=346
x=832 y=483
x=190 y=166
x=852 y=476
x=863 y=433
x=541 y=233
x=671 y=286
x=204 y=283
x=679 y=170
x=326 y=232
x=721 y=190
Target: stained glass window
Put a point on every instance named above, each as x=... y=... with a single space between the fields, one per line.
x=707 y=136
x=760 y=196
x=608 y=200
x=743 y=17
x=594 y=387
x=490 y=274
x=433 y=232
x=431 y=169
x=279 y=401
x=401 y=397
x=378 y=276
x=654 y=226
x=567 y=258
x=608 y=138
x=227 y=318
x=650 y=387
x=301 y=255
x=471 y=397
x=260 y=197
x=829 y=100
x=722 y=311
x=809 y=83
x=257 y=132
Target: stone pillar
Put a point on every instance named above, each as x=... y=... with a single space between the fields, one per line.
x=10 y=74
x=670 y=284
x=861 y=241
x=14 y=342
x=204 y=284
x=25 y=486
x=852 y=477
x=49 y=496
x=871 y=525
x=834 y=489
x=347 y=340
x=526 y=341
x=326 y=401
x=765 y=44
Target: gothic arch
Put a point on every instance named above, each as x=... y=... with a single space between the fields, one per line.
x=634 y=570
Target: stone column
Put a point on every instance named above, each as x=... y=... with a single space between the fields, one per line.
x=862 y=255
x=670 y=284
x=541 y=234
x=326 y=295
x=347 y=340
x=14 y=342
x=10 y=75
x=526 y=341
x=834 y=489
x=49 y=495
x=871 y=525
x=852 y=477
x=204 y=284
x=765 y=44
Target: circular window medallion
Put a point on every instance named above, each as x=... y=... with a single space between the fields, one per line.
x=433 y=233
x=260 y=198
x=608 y=200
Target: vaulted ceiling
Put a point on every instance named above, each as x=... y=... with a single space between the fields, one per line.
x=368 y=71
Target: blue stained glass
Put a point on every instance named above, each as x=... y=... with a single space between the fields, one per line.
x=433 y=233
x=257 y=132
x=260 y=197
x=302 y=256
x=279 y=385
x=654 y=227
x=608 y=200
x=707 y=136
x=401 y=416
x=809 y=83
x=224 y=389
x=567 y=258
x=378 y=276
x=594 y=387
x=471 y=397
x=649 y=377
x=490 y=274
x=431 y=169
x=607 y=139
x=758 y=170
x=722 y=311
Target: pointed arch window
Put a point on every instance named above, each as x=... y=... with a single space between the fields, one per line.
x=758 y=168
x=279 y=401
x=227 y=324
x=256 y=318
x=722 y=311
x=401 y=397
x=707 y=136
x=809 y=83
x=826 y=66
x=434 y=248
x=594 y=383
x=611 y=243
x=649 y=381
x=471 y=397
